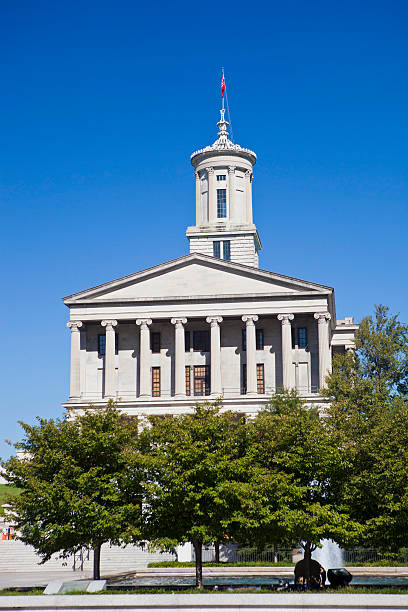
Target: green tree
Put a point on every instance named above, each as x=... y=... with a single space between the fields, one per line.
x=76 y=488
x=194 y=467
x=301 y=470
x=368 y=409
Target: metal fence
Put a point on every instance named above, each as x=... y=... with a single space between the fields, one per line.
x=371 y=555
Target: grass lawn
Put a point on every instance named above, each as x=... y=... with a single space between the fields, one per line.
x=5 y=491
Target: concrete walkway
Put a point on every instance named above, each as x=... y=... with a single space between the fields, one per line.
x=40 y=579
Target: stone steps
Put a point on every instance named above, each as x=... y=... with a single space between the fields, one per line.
x=15 y=556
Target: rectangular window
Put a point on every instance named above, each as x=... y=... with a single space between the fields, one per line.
x=244 y=379
x=155 y=382
x=302 y=337
x=216 y=249
x=187 y=340
x=260 y=378
x=201 y=380
x=259 y=339
x=299 y=337
x=226 y=250
x=201 y=341
x=188 y=380
x=221 y=203
x=221 y=177
x=102 y=344
x=244 y=339
x=155 y=342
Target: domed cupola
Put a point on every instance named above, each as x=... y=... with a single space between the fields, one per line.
x=224 y=226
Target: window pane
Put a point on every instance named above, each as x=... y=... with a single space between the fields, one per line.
x=101 y=344
x=116 y=343
x=244 y=379
x=155 y=342
x=226 y=247
x=221 y=177
x=244 y=339
x=201 y=341
x=201 y=380
x=187 y=340
x=260 y=381
x=302 y=337
x=156 y=382
x=260 y=339
x=221 y=203
x=216 y=248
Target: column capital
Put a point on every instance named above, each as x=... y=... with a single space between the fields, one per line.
x=214 y=321
x=109 y=323
x=250 y=319
x=178 y=321
x=286 y=318
x=143 y=323
x=210 y=170
x=322 y=317
x=231 y=169
x=196 y=174
x=74 y=325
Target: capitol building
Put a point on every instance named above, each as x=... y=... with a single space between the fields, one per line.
x=211 y=323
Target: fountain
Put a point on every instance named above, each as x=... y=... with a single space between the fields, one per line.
x=330 y=555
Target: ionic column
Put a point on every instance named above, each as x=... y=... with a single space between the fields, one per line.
x=285 y=319
x=216 y=385
x=212 y=203
x=179 y=357
x=231 y=192
x=250 y=321
x=110 y=390
x=145 y=383
x=75 y=372
x=198 y=213
x=323 y=322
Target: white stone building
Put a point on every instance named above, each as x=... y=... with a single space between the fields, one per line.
x=210 y=323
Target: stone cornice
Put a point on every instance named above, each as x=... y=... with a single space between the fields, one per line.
x=194 y=258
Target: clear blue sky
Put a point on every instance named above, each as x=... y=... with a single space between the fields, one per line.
x=102 y=104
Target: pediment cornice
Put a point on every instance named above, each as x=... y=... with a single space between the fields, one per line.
x=301 y=286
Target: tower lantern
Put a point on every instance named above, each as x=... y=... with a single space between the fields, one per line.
x=224 y=225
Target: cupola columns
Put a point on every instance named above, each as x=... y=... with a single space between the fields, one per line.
x=224 y=226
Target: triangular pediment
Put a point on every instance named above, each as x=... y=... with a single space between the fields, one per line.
x=195 y=276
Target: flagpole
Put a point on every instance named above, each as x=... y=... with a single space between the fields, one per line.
x=222 y=93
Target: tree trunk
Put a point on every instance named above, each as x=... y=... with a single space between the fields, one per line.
x=217 y=551
x=198 y=550
x=308 y=558
x=97 y=562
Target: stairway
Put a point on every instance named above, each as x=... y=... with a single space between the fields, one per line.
x=16 y=557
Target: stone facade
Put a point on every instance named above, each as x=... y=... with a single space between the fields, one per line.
x=211 y=323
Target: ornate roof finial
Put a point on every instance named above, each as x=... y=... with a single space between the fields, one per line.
x=222 y=131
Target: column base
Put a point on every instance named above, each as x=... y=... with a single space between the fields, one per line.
x=180 y=396
x=144 y=395
x=251 y=393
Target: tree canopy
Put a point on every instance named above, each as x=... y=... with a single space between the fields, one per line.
x=76 y=486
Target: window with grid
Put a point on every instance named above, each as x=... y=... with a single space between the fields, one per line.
x=201 y=380
x=201 y=341
x=188 y=380
x=216 y=249
x=102 y=344
x=226 y=250
x=156 y=382
x=155 y=342
x=221 y=177
x=260 y=378
x=221 y=203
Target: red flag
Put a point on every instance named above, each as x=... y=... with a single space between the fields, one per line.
x=222 y=86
